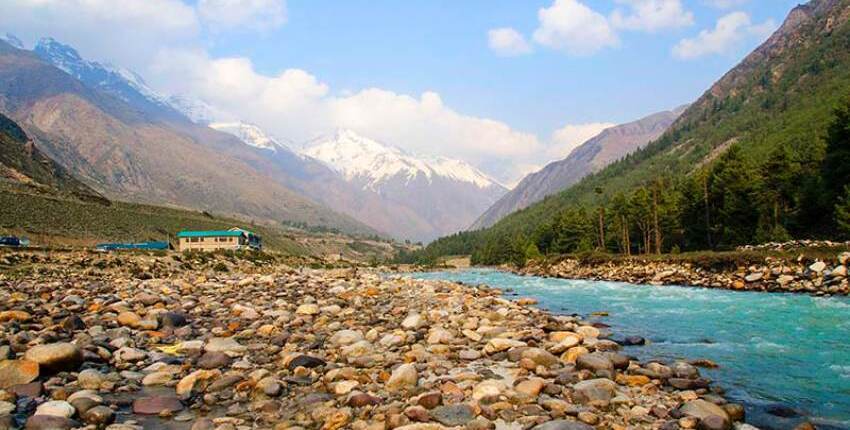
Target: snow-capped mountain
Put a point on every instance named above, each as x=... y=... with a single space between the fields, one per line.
x=446 y=194
x=122 y=83
x=250 y=134
x=117 y=81
x=360 y=159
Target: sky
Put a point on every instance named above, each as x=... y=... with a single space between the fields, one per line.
x=503 y=84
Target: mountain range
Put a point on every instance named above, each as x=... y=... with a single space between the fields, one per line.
x=127 y=140
x=601 y=150
x=113 y=135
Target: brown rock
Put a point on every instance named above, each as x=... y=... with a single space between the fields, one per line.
x=15 y=372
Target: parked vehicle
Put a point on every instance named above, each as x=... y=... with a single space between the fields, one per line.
x=14 y=242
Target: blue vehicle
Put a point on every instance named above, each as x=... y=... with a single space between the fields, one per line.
x=147 y=246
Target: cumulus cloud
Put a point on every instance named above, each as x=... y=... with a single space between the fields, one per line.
x=569 y=137
x=573 y=27
x=259 y=15
x=507 y=42
x=730 y=31
x=652 y=15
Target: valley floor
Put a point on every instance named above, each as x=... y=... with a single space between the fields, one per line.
x=215 y=341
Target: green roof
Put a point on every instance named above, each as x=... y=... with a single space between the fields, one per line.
x=212 y=233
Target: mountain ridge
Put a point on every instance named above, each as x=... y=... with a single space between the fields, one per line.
x=597 y=152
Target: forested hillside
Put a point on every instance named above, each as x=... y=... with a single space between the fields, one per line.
x=763 y=155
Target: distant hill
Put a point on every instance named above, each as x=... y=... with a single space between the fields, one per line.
x=603 y=149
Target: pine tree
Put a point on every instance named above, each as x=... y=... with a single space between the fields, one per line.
x=842 y=213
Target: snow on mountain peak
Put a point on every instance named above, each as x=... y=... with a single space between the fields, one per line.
x=118 y=81
x=12 y=40
x=358 y=157
x=250 y=134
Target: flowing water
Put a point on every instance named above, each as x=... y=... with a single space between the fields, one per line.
x=786 y=357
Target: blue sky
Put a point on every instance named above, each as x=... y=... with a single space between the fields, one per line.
x=415 y=46
x=506 y=85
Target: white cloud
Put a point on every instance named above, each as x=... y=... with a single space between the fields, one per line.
x=730 y=31
x=507 y=42
x=569 y=137
x=127 y=34
x=297 y=105
x=572 y=27
x=652 y=15
x=258 y=15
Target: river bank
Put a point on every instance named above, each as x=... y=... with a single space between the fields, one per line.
x=168 y=341
x=731 y=271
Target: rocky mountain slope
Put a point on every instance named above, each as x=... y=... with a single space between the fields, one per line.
x=120 y=142
x=605 y=148
x=22 y=164
x=445 y=194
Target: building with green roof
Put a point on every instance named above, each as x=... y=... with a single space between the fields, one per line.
x=215 y=240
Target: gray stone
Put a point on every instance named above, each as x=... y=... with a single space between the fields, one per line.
x=454 y=415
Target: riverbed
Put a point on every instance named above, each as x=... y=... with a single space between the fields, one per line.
x=785 y=356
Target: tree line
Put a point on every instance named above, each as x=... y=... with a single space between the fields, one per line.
x=798 y=190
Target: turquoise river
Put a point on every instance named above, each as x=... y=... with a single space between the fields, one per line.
x=786 y=357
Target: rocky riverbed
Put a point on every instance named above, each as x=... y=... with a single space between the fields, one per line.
x=169 y=342
x=800 y=275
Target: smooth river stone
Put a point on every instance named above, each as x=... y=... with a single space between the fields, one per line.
x=56 y=357
x=157 y=405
